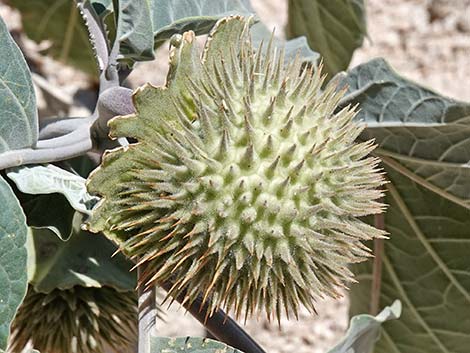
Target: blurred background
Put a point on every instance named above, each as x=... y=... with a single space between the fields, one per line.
x=427 y=41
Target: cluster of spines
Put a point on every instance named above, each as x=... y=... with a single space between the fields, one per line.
x=77 y=320
x=254 y=203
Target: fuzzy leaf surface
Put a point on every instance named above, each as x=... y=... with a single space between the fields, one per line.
x=13 y=259
x=18 y=120
x=170 y=17
x=364 y=330
x=49 y=179
x=189 y=345
x=424 y=141
x=85 y=260
x=333 y=28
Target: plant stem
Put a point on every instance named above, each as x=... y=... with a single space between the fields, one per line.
x=147 y=314
x=379 y=223
x=47 y=155
x=220 y=325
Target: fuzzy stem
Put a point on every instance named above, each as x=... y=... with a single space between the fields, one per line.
x=379 y=223
x=147 y=314
x=220 y=325
x=47 y=155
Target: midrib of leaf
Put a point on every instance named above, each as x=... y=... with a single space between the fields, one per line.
x=18 y=103
x=412 y=308
x=419 y=234
x=47 y=16
x=417 y=179
x=430 y=162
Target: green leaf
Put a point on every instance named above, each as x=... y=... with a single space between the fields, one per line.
x=49 y=179
x=13 y=256
x=178 y=16
x=364 y=330
x=50 y=211
x=334 y=28
x=85 y=259
x=424 y=143
x=18 y=120
x=292 y=47
x=59 y=22
x=188 y=345
x=135 y=30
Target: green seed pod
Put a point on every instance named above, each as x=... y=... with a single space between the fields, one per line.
x=246 y=181
x=77 y=320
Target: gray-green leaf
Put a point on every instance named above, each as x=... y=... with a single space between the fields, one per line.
x=188 y=345
x=49 y=179
x=424 y=143
x=292 y=47
x=85 y=259
x=364 y=330
x=178 y=16
x=18 y=113
x=13 y=256
x=334 y=28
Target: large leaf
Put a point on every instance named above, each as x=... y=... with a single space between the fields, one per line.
x=292 y=47
x=59 y=22
x=188 y=345
x=424 y=142
x=49 y=179
x=18 y=117
x=51 y=211
x=334 y=28
x=165 y=18
x=364 y=330
x=85 y=259
x=178 y=16
x=13 y=276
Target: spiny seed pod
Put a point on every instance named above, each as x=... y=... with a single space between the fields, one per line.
x=77 y=320
x=246 y=181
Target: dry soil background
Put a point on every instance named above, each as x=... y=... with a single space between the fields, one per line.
x=425 y=40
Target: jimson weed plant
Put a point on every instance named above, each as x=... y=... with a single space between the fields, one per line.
x=249 y=184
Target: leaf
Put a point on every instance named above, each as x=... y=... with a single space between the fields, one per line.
x=333 y=28
x=424 y=143
x=85 y=259
x=178 y=16
x=50 y=211
x=188 y=345
x=135 y=30
x=13 y=256
x=420 y=133
x=59 y=22
x=364 y=330
x=292 y=47
x=48 y=179
x=18 y=120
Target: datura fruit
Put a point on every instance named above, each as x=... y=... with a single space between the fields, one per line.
x=76 y=320
x=245 y=184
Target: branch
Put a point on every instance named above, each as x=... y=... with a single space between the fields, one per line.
x=147 y=314
x=76 y=136
x=32 y=156
x=57 y=127
x=220 y=325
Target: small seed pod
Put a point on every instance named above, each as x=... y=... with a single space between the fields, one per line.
x=246 y=183
x=76 y=320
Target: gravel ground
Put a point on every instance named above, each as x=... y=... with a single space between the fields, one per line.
x=425 y=40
